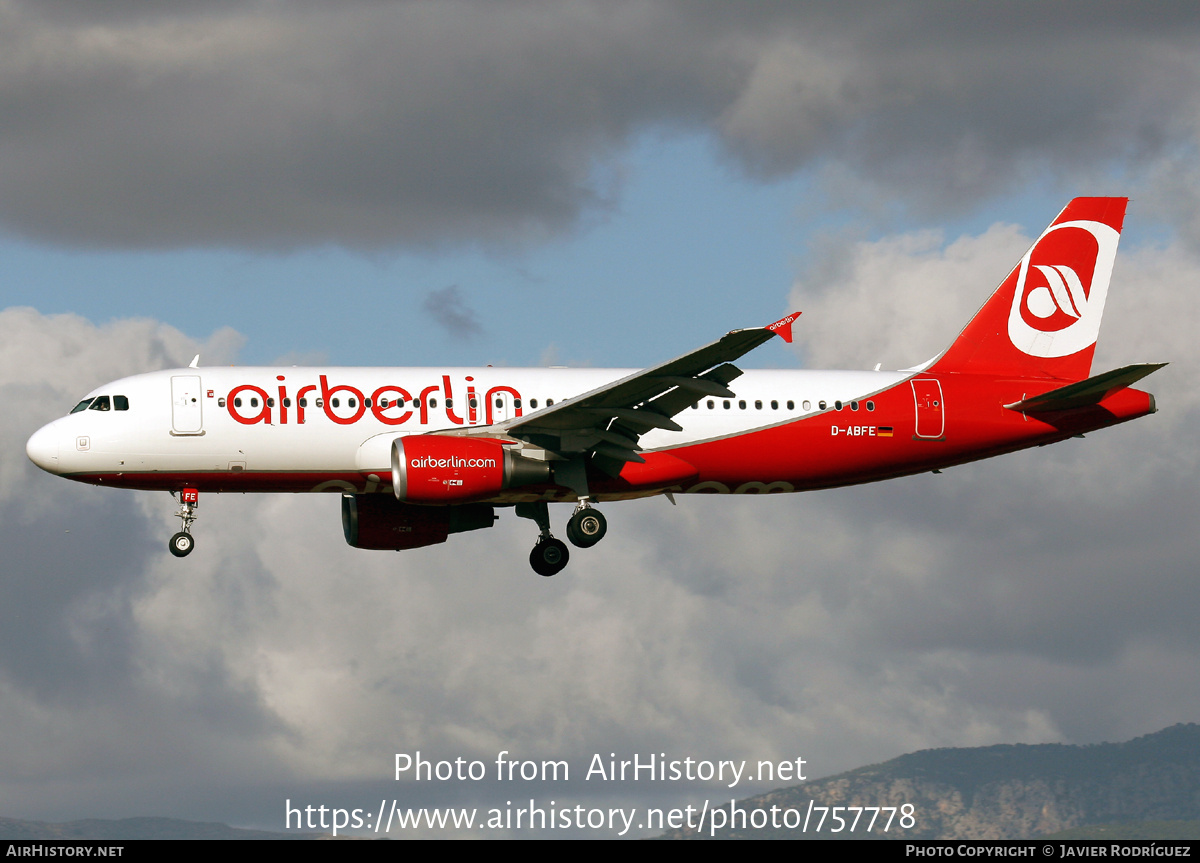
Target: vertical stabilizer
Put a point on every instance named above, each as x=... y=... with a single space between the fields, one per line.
x=1044 y=318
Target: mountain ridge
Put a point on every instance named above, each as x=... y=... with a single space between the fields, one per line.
x=1006 y=791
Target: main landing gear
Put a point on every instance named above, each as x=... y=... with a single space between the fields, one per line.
x=549 y=556
x=586 y=527
x=182 y=543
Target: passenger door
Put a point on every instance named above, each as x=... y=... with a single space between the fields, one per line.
x=186 y=405
x=931 y=418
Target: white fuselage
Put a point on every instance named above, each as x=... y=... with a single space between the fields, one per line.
x=318 y=428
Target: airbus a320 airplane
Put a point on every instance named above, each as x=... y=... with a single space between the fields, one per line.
x=419 y=453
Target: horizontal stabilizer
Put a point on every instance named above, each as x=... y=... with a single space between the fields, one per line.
x=1085 y=393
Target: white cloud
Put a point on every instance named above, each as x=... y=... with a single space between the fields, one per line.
x=898 y=301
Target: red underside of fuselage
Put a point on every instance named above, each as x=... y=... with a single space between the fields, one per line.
x=802 y=455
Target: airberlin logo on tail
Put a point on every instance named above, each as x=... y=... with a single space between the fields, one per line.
x=1063 y=292
x=1062 y=283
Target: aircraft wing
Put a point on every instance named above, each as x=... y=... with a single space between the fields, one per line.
x=607 y=422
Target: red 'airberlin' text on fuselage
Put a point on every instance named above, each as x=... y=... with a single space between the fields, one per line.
x=390 y=404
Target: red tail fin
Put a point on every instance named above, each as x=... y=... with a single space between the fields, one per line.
x=1044 y=318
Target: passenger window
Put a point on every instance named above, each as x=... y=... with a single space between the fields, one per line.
x=758 y=405
x=254 y=402
x=287 y=403
x=81 y=406
x=383 y=403
x=303 y=403
x=853 y=406
x=870 y=406
x=237 y=403
x=807 y=405
x=499 y=403
x=774 y=405
x=532 y=403
x=221 y=402
x=549 y=402
x=337 y=403
x=742 y=404
x=120 y=403
x=321 y=402
x=837 y=406
x=100 y=403
x=516 y=403
x=352 y=403
x=270 y=403
x=711 y=404
x=400 y=402
x=726 y=403
x=821 y=404
x=433 y=403
x=791 y=405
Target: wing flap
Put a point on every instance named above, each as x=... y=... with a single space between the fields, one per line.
x=701 y=386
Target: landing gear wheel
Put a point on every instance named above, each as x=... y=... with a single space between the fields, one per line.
x=549 y=557
x=181 y=544
x=587 y=527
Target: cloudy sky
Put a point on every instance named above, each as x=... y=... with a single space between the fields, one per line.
x=583 y=183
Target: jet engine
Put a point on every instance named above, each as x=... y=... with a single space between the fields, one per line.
x=381 y=522
x=442 y=469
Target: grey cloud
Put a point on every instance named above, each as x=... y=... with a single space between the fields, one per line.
x=365 y=124
x=451 y=312
x=1038 y=596
x=75 y=698
x=420 y=124
x=69 y=582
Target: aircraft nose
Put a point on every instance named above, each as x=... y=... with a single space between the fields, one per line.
x=42 y=449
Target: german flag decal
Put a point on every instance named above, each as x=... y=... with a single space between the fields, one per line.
x=883 y=431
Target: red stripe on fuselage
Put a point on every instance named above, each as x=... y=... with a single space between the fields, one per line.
x=808 y=455
x=794 y=456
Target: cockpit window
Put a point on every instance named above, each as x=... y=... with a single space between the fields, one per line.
x=120 y=403
x=81 y=406
x=100 y=403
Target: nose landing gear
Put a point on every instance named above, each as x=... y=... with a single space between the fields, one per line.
x=182 y=543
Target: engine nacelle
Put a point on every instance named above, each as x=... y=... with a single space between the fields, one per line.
x=447 y=469
x=381 y=522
